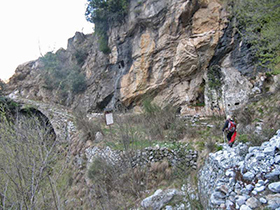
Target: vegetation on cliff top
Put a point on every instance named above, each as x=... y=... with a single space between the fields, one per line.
x=101 y=12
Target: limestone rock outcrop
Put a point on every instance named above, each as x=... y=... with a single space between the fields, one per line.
x=163 y=49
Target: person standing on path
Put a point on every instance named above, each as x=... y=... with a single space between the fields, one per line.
x=230 y=127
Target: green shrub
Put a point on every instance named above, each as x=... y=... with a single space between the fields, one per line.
x=61 y=77
x=159 y=119
x=139 y=3
x=150 y=108
x=77 y=82
x=53 y=72
x=215 y=77
x=138 y=12
x=2 y=86
x=88 y=127
x=101 y=13
x=81 y=56
x=260 y=110
x=219 y=147
x=258 y=23
x=276 y=70
x=103 y=44
x=243 y=138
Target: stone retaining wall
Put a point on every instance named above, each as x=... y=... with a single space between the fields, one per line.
x=180 y=156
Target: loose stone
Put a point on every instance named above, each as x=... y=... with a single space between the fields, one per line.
x=241 y=200
x=263 y=200
x=244 y=207
x=260 y=189
x=252 y=202
x=274 y=187
x=248 y=175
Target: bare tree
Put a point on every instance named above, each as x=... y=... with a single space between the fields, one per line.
x=28 y=167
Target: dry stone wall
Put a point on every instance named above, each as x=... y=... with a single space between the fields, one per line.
x=180 y=156
x=242 y=177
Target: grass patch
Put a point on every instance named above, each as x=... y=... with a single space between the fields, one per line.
x=243 y=138
x=200 y=145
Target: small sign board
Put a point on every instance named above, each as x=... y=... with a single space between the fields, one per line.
x=109 y=118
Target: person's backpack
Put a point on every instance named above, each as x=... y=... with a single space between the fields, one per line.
x=231 y=126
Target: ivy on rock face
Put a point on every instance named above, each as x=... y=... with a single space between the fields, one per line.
x=215 y=77
x=259 y=25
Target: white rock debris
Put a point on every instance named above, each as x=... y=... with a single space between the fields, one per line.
x=242 y=177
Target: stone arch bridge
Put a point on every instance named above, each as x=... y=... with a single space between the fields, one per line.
x=61 y=118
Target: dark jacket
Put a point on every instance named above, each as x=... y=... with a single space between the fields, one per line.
x=226 y=125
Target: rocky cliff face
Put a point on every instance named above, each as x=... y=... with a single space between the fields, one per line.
x=163 y=49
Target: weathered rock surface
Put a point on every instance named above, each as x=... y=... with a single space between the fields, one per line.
x=172 y=199
x=160 y=198
x=274 y=187
x=163 y=49
x=273 y=201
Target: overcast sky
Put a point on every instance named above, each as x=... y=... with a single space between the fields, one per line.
x=31 y=26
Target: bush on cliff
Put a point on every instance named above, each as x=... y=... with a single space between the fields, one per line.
x=100 y=13
x=2 y=86
x=258 y=24
x=100 y=10
x=61 y=77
